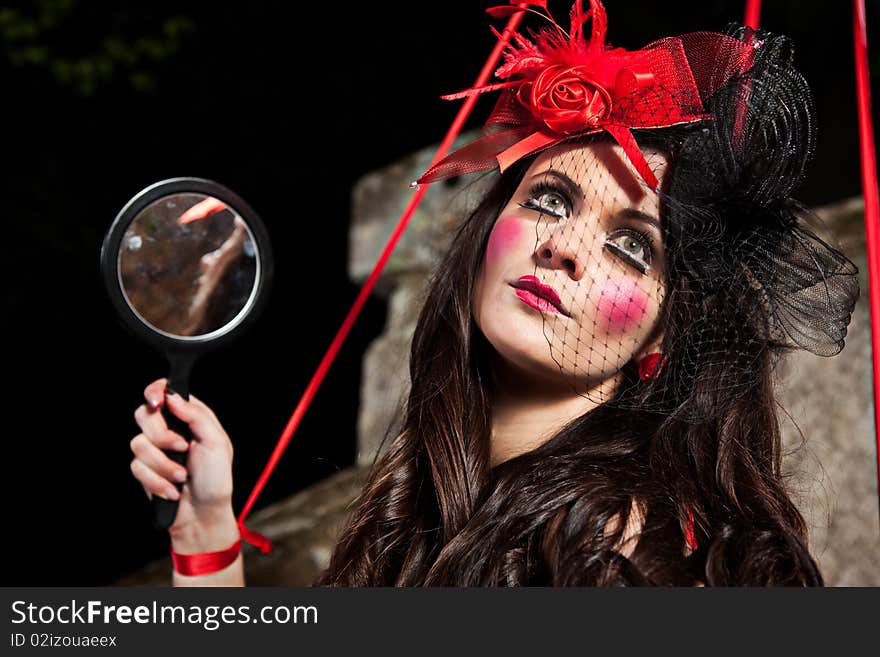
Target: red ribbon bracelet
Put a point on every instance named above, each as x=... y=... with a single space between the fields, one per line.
x=204 y=563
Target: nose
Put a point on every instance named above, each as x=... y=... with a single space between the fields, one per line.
x=560 y=251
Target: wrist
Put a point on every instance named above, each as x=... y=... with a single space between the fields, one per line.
x=214 y=530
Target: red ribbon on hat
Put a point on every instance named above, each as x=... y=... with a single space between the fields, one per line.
x=562 y=85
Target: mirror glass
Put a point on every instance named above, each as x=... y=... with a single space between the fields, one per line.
x=188 y=265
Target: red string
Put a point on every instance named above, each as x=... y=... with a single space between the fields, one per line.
x=753 y=14
x=254 y=538
x=872 y=199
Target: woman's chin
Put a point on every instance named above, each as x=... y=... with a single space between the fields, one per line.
x=527 y=367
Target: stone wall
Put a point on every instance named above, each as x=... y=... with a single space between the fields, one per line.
x=379 y=199
x=833 y=465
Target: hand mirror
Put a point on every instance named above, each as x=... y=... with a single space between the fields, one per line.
x=187 y=264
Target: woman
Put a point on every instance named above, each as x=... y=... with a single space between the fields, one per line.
x=591 y=374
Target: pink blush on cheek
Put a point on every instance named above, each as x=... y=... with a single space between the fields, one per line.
x=506 y=236
x=622 y=305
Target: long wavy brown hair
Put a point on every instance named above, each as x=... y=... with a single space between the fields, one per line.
x=433 y=511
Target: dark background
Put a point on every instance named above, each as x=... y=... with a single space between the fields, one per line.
x=288 y=104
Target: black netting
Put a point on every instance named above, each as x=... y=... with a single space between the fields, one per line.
x=712 y=271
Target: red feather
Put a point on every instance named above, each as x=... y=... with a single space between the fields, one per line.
x=479 y=90
x=503 y=11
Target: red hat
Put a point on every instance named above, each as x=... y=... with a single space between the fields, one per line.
x=558 y=85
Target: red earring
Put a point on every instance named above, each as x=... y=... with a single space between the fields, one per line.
x=650 y=366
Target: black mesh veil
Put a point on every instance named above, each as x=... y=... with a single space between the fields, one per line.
x=644 y=297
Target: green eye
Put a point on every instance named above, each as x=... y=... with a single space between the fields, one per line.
x=632 y=247
x=552 y=203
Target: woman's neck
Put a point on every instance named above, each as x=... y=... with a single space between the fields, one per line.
x=528 y=410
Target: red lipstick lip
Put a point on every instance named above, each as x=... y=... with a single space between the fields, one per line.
x=534 y=285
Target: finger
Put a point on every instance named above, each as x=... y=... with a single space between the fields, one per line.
x=200 y=421
x=198 y=402
x=155 y=459
x=168 y=440
x=155 y=393
x=153 y=482
x=152 y=423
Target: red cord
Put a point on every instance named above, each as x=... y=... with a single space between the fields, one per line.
x=872 y=199
x=753 y=14
x=250 y=536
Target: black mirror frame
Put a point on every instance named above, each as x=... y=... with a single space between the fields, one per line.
x=110 y=258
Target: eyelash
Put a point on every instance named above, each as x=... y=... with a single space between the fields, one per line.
x=644 y=238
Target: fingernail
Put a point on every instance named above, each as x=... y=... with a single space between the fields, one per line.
x=181 y=445
x=172 y=494
x=180 y=475
x=170 y=391
x=154 y=402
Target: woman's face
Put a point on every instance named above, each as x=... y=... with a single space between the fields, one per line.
x=572 y=277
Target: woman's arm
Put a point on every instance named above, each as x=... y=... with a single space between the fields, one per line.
x=209 y=537
x=204 y=521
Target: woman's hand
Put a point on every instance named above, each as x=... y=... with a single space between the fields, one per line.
x=205 y=521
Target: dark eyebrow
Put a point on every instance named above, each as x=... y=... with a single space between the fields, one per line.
x=638 y=215
x=574 y=190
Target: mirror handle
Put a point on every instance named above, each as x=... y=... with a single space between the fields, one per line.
x=164 y=511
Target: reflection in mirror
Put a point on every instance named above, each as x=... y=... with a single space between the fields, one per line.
x=188 y=265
